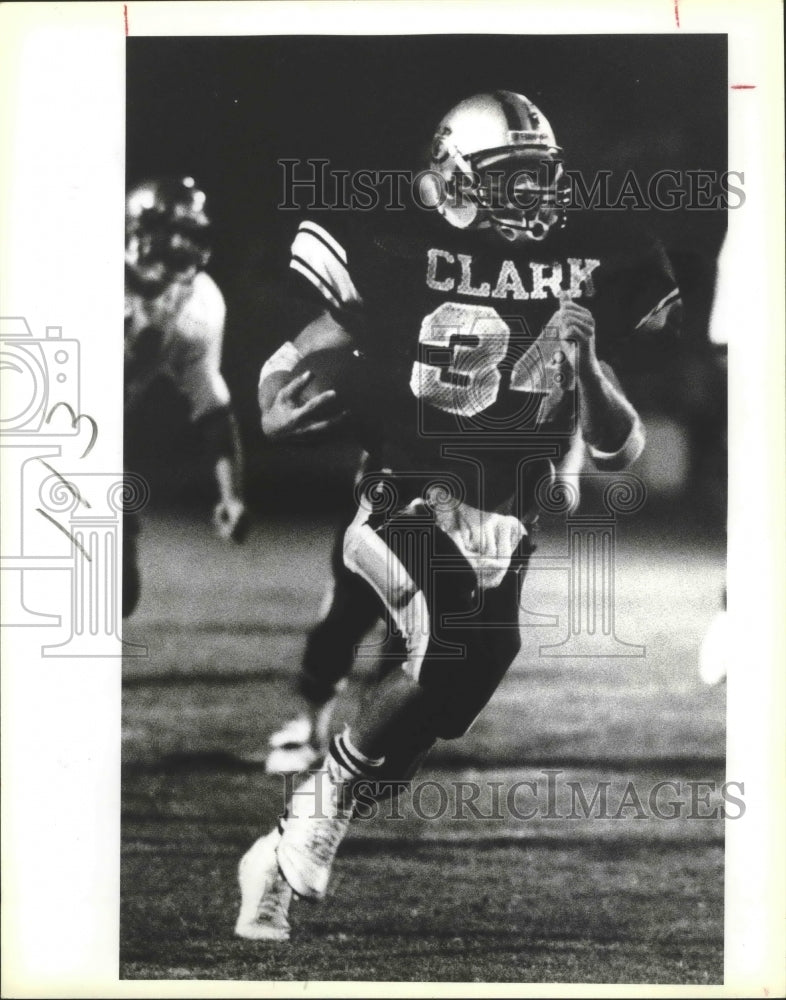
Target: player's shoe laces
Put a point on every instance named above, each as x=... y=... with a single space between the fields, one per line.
x=265 y=894
x=316 y=822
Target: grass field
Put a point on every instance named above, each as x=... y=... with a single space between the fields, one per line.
x=453 y=898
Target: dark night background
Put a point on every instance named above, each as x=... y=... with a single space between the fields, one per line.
x=226 y=109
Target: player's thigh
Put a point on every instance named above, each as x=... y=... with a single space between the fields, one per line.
x=487 y=640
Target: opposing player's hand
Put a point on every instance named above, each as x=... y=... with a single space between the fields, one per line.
x=230 y=519
x=289 y=417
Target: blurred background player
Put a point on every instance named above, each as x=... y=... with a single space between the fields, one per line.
x=483 y=325
x=174 y=327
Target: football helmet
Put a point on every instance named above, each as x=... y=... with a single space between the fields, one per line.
x=167 y=230
x=495 y=163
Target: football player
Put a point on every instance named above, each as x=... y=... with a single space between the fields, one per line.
x=174 y=327
x=350 y=609
x=483 y=330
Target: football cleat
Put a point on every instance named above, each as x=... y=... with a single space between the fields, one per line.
x=495 y=164
x=295 y=732
x=265 y=894
x=316 y=822
x=301 y=742
x=291 y=759
x=292 y=749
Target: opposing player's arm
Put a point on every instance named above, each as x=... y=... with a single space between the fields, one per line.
x=221 y=442
x=286 y=414
x=198 y=372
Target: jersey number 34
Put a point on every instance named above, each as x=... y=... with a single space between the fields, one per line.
x=461 y=350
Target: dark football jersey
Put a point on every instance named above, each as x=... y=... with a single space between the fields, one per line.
x=453 y=327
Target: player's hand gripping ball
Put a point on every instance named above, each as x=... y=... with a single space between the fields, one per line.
x=333 y=369
x=329 y=389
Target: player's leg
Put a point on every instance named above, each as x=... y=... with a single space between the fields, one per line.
x=131 y=576
x=264 y=892
x=350 y=609
x=320 y=809
x=451 y=671
x=472 y=638
x=407 y=709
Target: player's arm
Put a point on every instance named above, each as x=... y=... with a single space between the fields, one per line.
x=286 y=415
x=609 y=424
x=652 y=309
x=319 y=276
x=198 y=374
x=221 y=442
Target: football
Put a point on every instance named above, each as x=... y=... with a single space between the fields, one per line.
x=337 y=368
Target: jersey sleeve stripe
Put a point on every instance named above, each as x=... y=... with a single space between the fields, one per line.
x=312 y=251
x=341 y=261
x=324 y=236
x=311 y=275
x=665 y=303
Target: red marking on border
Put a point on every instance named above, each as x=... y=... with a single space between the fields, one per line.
x=125 y=17
x=743 y=86
x=677 y=12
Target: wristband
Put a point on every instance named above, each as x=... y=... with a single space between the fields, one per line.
x=624 y=456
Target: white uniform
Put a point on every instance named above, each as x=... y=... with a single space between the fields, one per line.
x=177 y=335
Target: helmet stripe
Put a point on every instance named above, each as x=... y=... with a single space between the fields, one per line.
x=510 y=108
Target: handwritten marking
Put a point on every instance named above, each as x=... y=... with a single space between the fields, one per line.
x=743 y=86
x=68 y=485
x=125 y=17
x=68 y=534
x=76 y=418
x=677 y=12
